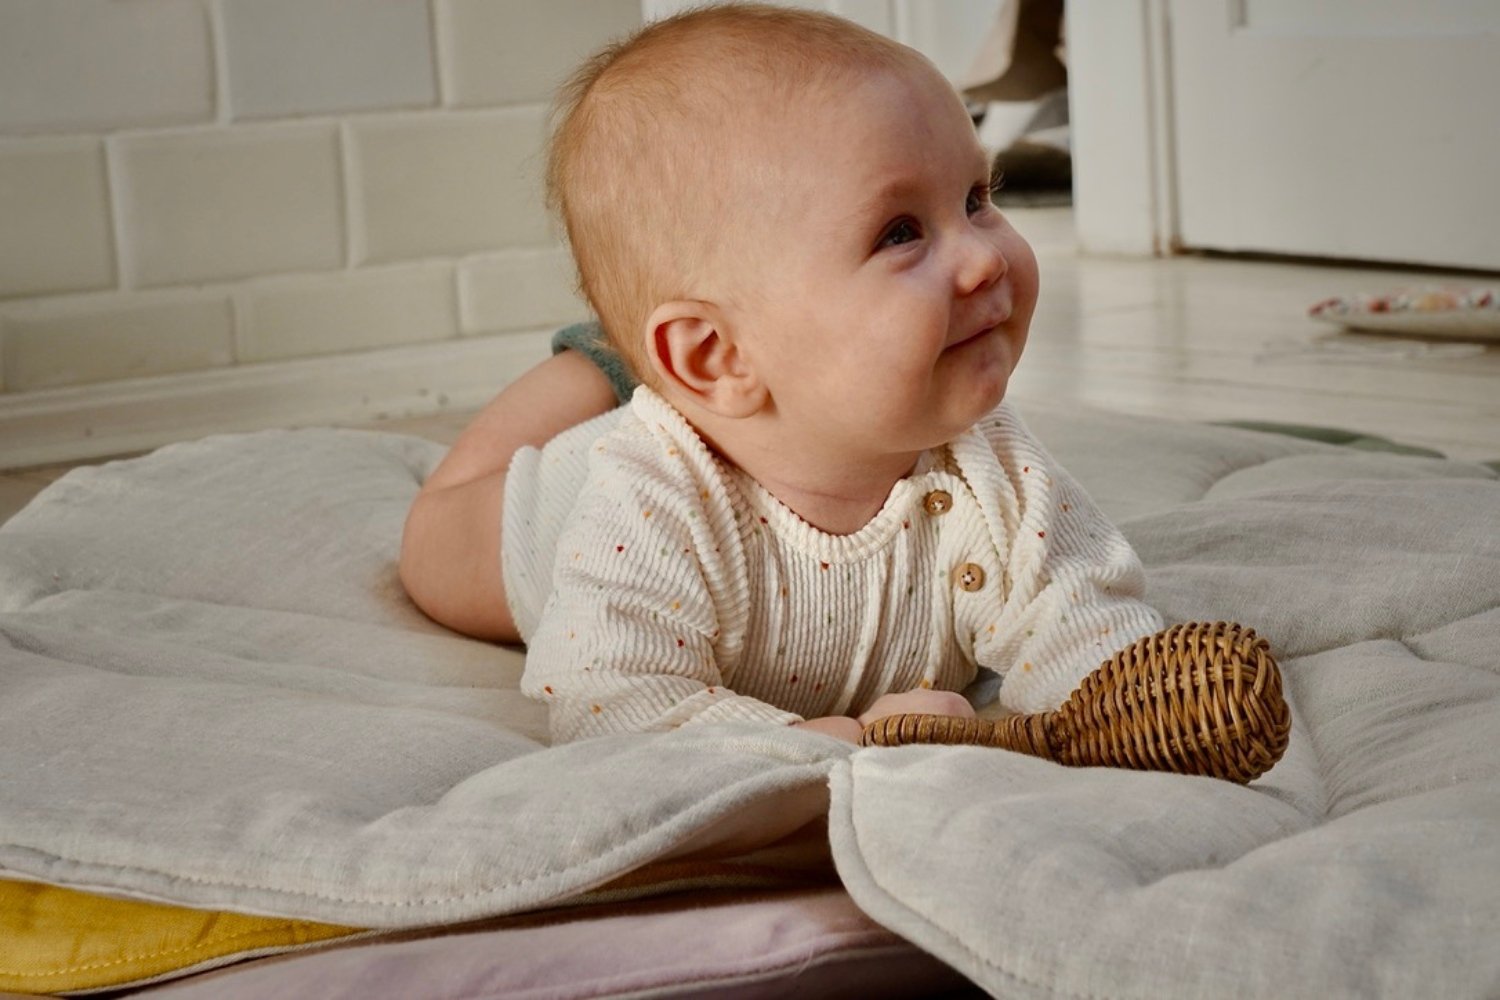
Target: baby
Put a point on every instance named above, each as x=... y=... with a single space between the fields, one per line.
x=816 y=510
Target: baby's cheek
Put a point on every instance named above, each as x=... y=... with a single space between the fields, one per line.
x=1025 y=278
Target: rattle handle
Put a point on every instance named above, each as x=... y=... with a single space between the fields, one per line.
x=1029 y=734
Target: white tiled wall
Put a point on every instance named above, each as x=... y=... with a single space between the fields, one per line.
x=948 y=32
x=226 y=194
x=87 y=339
x=84 y=66
x=226 y=203
x=308 y=57
x=189 y=185
x=516 y=289
x=434 y=184
x=534 y=52
x=285 y=317
x=54 y=216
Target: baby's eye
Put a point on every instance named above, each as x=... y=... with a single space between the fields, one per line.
x=901 y=231
x=979 y=198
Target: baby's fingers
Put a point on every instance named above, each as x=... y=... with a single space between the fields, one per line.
x=943 y=703
x=919 y=702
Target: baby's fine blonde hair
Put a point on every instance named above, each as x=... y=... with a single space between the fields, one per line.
x=643 y=156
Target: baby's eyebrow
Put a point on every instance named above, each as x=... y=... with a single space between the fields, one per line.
x=901 y=186
x=890 y=192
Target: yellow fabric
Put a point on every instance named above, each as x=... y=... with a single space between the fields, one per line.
x=59 y=940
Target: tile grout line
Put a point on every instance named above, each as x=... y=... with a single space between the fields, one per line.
x=437 y=22
x=219 y=47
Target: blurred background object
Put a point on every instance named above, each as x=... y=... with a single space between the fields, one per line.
x=1017 y=88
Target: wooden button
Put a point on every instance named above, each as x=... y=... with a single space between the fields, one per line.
x=937 y=502
x=969 y=577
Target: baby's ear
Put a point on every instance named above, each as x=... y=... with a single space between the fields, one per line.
x=693 y=351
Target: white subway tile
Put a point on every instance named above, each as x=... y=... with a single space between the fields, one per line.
x=98 y=338
x=326 y=314
x=227 y=203
x=519 y=50
x=54 y=217
x=69 y=65
x=292 y=57
x=432 y=185
x=519 y=290
x=877 y=15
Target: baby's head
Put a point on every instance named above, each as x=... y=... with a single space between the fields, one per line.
x=660 y=147
x=780 y=195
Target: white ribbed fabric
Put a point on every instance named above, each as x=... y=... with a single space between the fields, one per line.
x=678 y=591
x=542 y=487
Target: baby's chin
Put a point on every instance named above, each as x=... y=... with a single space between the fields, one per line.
x=961 y=411
x=985 y=404
x=989 y=379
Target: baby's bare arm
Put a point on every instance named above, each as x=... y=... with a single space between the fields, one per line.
x=450 y=549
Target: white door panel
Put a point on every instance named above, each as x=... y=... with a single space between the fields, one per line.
x=1338 y=128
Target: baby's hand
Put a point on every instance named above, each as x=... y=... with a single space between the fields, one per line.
x=918 y=702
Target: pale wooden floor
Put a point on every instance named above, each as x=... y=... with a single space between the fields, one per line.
x=1202 y=339
x=1220 y=339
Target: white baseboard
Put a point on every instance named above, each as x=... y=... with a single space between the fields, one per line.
x=114 y=418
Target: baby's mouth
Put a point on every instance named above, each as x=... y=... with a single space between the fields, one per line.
x=971 y=338
x=990 y=327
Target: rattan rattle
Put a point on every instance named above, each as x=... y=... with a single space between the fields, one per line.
x=1199 y=698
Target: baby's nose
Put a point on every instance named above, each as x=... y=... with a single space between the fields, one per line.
x=983 y=262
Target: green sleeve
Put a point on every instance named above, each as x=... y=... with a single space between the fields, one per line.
x=588 y=339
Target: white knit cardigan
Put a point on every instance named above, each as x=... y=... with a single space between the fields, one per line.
x=675 y=590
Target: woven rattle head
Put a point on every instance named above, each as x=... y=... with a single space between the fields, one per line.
x=1200 y=698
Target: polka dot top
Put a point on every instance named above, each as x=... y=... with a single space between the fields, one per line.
x=657 y=586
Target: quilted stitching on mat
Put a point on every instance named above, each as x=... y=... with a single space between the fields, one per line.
x=213 y=692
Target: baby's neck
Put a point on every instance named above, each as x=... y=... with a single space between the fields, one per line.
x=832 y=488
x=837 y=497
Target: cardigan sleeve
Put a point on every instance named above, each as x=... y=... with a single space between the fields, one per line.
x=1074 y=587
x=628 y=640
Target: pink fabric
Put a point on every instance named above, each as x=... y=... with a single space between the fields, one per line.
x=807 y=942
